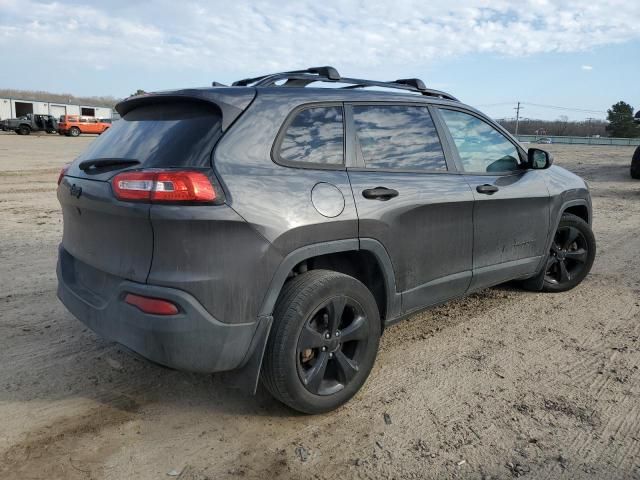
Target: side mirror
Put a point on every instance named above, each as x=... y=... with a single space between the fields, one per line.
x=637 y=117
x=539 y=159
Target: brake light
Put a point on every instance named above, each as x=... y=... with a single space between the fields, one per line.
x=63 y=172
x=155 y=306
x=164 y=186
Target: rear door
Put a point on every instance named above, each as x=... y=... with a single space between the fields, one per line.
x=116 y=236
x=511 y=212
x=411 y=200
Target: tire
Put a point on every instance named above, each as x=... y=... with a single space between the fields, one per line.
x=303 y=317
x=74 y=132
x=23 y=130
x=571 y=255
x=635 y=165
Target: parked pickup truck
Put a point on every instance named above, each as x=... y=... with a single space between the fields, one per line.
x=74 y=125
x=28 y=123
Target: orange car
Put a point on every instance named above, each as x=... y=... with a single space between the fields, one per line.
x=74 y=125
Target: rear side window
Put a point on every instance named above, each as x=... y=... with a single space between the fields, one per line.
x=315 y=137
x=480 y=146
x=398 y=137
x=180 y=134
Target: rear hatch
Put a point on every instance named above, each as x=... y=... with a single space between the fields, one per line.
x=116 y=236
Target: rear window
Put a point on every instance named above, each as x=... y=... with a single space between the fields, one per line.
x=180 y=134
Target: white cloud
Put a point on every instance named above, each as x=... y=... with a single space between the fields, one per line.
x=245 y=37
x=587 y=67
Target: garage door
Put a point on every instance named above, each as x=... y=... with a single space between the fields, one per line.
x=58 y=110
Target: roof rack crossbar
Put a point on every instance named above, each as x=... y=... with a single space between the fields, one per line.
x=429 y=92
x=322 y=72
x=302 y=78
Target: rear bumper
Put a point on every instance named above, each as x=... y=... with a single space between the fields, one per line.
x=192 y=340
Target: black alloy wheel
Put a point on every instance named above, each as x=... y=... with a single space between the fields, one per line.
x=331 y=345
x=323 y=342
x=571 y=255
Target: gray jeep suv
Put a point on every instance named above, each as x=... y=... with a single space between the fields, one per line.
x=276 y=229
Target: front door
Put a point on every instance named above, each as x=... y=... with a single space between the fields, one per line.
x=511 y=212
x=411 y=201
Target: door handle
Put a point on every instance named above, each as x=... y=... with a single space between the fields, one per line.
x=379 y=193
x=487 y=189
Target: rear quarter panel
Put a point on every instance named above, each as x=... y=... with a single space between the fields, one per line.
x=275 y=199
x=215 y=255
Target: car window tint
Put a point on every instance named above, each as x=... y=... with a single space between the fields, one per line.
x=396 y=136
x=160 y=135
x=315 y=136
x=480 y=146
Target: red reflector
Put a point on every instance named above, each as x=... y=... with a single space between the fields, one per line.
x=164 y=186
x=63 y=172
x=152 y=305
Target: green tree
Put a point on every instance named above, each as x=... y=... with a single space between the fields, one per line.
x=621 y=124
x=138 y=92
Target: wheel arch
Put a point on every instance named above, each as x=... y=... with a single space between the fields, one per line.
x=327 y=255
x=579 y=208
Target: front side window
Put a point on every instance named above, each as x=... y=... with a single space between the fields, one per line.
x=480 y=146
x=398 y=137
x=315 y=136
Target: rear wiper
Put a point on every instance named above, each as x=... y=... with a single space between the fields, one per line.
x=106 y=163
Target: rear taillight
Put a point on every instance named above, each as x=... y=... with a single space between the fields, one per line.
x=63 y=172
x=154 y=306
x=164 y=186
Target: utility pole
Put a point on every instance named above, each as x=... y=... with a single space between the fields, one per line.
x=517 y=109
x=589 y=120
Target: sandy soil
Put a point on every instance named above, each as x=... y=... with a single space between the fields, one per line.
x=501 y=384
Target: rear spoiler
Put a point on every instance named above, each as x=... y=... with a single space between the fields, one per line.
x=231 y=101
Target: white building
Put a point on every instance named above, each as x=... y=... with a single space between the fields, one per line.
x=15 y=107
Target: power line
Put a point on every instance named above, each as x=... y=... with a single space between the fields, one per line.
x=553 y=107
x=495 y=104
x=556 y=107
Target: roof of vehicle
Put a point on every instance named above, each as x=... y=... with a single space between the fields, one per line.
x=327 y=74
x=232 y=100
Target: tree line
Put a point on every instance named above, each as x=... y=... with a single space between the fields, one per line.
x=620 y=124
x=42 y=96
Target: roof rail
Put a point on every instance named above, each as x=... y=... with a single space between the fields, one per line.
x=302 y=78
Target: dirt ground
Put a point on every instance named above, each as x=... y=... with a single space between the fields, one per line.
x=500 y=384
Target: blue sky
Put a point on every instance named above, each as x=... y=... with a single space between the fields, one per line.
x=584 y=56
